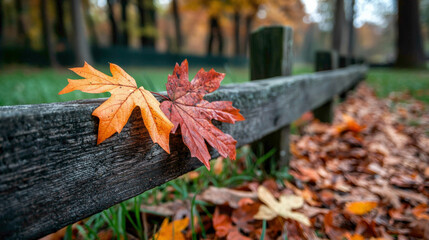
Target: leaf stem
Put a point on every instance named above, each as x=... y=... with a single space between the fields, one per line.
x=160 y=95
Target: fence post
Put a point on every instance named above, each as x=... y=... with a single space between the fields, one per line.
x=343 y=61
x=325 y=60
x=271 y=55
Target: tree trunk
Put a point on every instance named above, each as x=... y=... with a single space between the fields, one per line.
x=215 y=33
x=60 y=27
x=409 y=44
x=351 y=30
x=338 y=31
x=249 y=20
x=211 y=38
x=237 y=32
x=220 y=38
x=1 y=26
x=22 y=33
x=142 y=19
x=151 y=13
x=147 y=20
x=308 y=47
x=177 y=25
x=47 y=34
x=82 y=50
x=113 y=26
x=1 y=33
x=124 y=25
x=91 y=24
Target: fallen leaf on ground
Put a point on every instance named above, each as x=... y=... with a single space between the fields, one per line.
x=167 y=209
x=356 y=237
x=221 y=223
x=283 y=207
x=243 y=216
x=125 y=96
x=331 y=229
x=188 y=109
x=421 y=212
x=348 y=124
x=220 y=196
x=173 y=230
x=224 y=227
x=360 y=208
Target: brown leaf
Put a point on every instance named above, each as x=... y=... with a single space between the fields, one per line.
x=221 y=223
x=421 y=212
x=243 y=216
x=220 y=196
x=333 y=231
x=167 y=209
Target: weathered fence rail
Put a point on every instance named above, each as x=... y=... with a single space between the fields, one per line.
x=53 y=174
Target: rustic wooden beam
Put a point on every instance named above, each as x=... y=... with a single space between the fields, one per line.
x=326 y=60
x=271 y=55
x=52 y=172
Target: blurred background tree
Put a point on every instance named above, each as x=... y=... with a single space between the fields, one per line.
x=409 y=44
x=55 y=32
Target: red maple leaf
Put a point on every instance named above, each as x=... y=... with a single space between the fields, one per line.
x=188 y=109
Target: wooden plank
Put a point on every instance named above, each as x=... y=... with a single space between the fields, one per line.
x=271 y=55
x=53 y=174
x=326 y=60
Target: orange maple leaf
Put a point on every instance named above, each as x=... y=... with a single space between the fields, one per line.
x=125 y=96
x=188 y=109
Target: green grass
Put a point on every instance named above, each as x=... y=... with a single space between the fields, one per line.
x=385 y=81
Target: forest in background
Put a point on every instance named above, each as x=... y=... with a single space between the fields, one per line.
x=198 y=27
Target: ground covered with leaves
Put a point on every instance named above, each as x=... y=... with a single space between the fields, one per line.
x=363 y=177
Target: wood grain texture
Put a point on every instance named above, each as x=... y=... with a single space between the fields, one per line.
x=53 y=174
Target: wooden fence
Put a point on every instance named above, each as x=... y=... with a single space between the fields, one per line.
x=53 y=174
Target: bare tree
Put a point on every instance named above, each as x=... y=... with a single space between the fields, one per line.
x=351 y=29
x=22 y=32
x=91 y=24
x=1 y=23
x=124 y=4
x=409 y=44
x=215 y=34
x=82 y=50
x=248 y=29
x=146 y=10
x=338 y=32
x=113 y=25
x=60 y=27
x=177 y=27
x=47 y=33
x=237 y=32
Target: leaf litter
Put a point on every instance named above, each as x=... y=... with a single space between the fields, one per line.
x=363 y=177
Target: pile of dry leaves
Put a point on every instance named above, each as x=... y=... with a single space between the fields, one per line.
x=363 y=177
